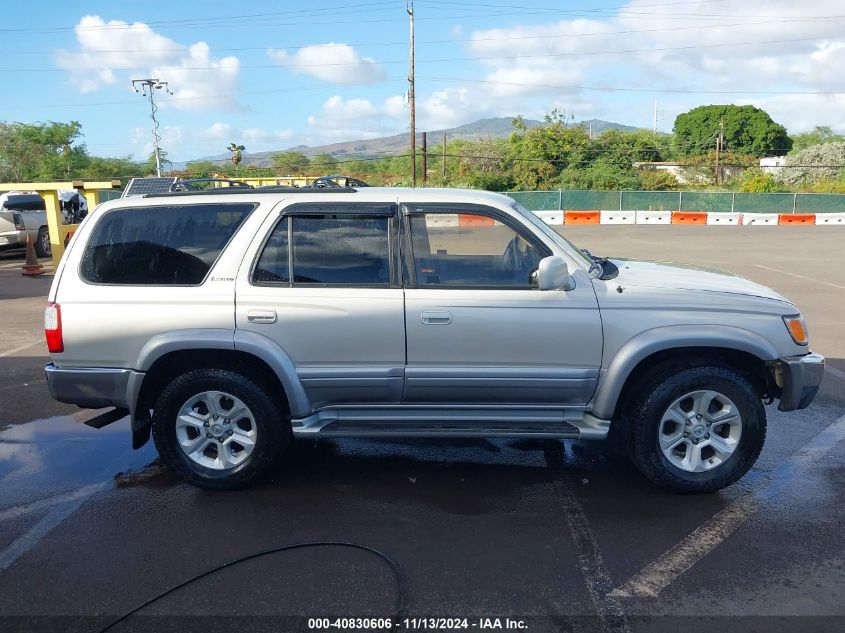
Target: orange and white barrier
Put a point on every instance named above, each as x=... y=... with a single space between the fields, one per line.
x=710 y=218
x=716 y=217
x=550 y=217
x=617 y=217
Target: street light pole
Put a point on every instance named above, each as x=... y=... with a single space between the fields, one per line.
x=147 y=87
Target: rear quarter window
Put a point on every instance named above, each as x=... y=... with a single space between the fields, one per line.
x=161 y=245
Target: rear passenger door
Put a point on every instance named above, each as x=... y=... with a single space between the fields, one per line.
x=324 y=286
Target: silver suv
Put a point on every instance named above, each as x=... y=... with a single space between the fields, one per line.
x=229 y=322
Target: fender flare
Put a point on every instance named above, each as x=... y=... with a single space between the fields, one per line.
x=235 y=340
x=668 y=337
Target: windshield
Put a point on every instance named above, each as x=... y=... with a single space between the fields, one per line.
x=553 y=235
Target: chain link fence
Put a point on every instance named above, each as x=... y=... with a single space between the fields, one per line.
x=583 y=200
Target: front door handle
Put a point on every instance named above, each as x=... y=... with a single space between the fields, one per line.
x=261 y=316
x=436 y=318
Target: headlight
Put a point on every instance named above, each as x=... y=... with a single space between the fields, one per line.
x=797 y=328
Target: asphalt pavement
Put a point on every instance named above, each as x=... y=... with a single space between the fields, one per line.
x=545 y=536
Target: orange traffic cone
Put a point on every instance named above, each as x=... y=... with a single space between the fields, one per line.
x=32 y=266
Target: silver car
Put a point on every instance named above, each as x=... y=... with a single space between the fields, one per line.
x=227 y=323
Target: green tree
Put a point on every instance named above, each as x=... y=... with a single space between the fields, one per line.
x=747 y=130
x=755 y=180
x=41 y=151
x=290 y=163
x=237 y=153
x=540 y=154
x=658 y=180
x=817 y=136
x=814 y=164
x=324 y=163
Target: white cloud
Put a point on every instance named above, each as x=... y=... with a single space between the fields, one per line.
x=116 y=51
x=333 y=63
x=561 y=57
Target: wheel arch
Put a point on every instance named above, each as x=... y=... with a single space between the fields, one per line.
x=167 y=355
x=740 y=348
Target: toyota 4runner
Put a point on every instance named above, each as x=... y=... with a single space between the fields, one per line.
x=228 y=322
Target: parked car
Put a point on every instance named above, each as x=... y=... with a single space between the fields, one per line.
x=23 y=213
x=283 y=313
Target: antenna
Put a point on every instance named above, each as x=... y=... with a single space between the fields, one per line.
x=147 y=88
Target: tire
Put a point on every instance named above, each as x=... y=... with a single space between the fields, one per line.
x=227 y=461
x=664 y=396
x=43 y=248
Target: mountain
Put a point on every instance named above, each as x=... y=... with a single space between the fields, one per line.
x=397 y=143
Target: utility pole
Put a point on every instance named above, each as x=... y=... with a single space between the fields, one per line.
x=443 y=160
x=425 y=158
x=654 y=124
x=720 y=141
x=147 y=88
x=410 y=9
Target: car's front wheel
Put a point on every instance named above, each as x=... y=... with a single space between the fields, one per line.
x=695 y=429
x=219 y=429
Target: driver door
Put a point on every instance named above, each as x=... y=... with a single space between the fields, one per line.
x=478 y=329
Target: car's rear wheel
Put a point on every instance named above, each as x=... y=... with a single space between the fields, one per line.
x=219 y=429
x=695 y=429
x=43 y=248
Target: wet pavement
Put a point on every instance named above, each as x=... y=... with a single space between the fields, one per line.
x=564 y=536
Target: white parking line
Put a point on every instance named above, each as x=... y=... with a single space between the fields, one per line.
x=835 y=372
x=597 y=579
x=58 y=513
x=658 y=575
x=15 y=350
x=786 y=272
x=49 y=502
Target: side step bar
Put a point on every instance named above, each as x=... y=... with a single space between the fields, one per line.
x=378 y=428
x=451 y=421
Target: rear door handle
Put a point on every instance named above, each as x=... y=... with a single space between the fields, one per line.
x=261 y=316
x=436 y=318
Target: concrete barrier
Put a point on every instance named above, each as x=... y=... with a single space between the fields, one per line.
x=715 y=217
x=582 y=217
x=797 y=218
x=689 y=217
x=552 y=217
x=653 y=217
x=760 y=219
x=830 y=218
x=617 y=217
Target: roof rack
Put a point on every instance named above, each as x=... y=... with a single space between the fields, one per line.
x=223 y=191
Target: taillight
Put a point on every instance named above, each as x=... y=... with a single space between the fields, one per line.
x=53 y=328
x=18 y=220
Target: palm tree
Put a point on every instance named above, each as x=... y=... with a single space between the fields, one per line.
x=237 y=153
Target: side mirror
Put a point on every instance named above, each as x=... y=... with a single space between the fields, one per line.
x=553 y=274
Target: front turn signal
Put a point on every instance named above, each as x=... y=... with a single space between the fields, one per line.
x=797 y=329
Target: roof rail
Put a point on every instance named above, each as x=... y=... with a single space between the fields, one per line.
x=228 y=191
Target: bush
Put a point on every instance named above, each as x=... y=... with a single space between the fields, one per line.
x=814 y=164
x=658 y=180
x=755 y=180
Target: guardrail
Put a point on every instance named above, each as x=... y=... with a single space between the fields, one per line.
x=50 y=192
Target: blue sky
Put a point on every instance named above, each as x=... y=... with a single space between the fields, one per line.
x=272 y=75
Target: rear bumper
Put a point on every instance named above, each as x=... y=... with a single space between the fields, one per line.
x=801 y=376
x=94 y=388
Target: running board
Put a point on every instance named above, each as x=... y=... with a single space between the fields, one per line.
x=445 y=422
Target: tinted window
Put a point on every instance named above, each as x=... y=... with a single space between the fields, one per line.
x=452 y=249
x=25 y=202
x=273 y=264
x=175 y=244
x=341 y=249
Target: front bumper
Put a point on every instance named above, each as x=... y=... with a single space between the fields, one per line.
x=801 y=377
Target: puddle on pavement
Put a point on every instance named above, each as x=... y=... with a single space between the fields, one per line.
x=55 y=455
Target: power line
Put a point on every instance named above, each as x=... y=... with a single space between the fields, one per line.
x=632 y=89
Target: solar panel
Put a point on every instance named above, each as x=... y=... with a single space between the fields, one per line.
x=141 y=186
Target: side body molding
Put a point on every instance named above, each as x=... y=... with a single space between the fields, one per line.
x=669 y=337
x=267 y=350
